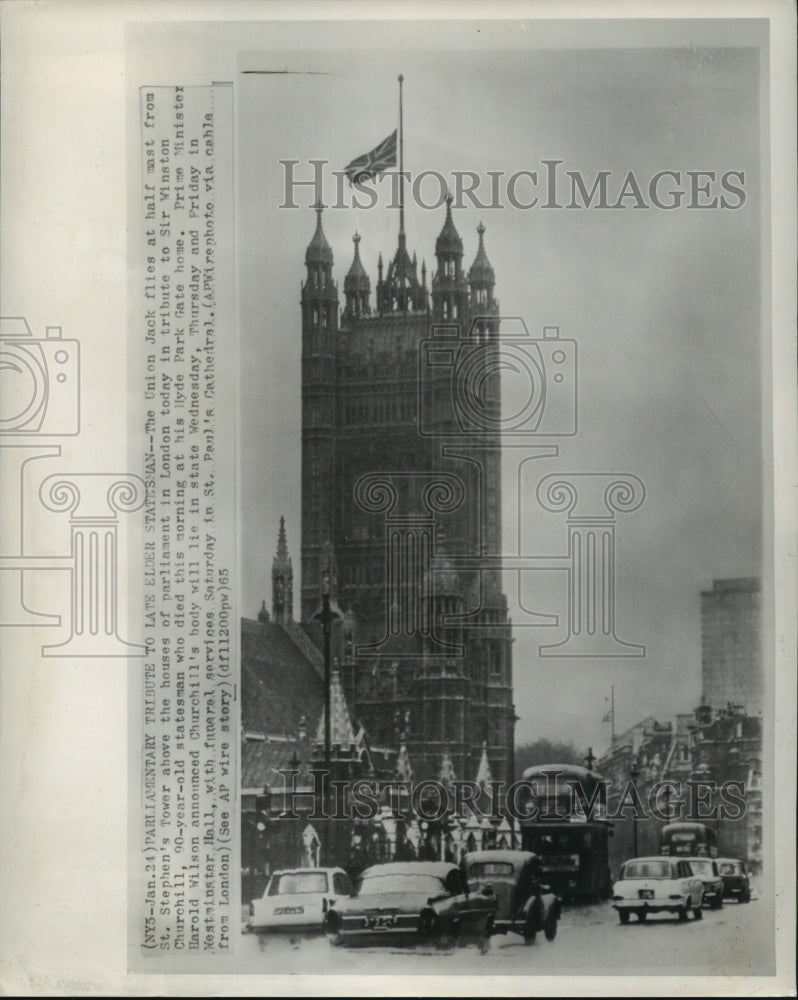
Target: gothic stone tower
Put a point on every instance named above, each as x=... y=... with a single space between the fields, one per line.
x=406 y=495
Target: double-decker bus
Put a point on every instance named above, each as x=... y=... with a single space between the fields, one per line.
x=690 y=840
x=566 y=825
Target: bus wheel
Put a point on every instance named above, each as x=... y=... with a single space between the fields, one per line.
x=623 y=916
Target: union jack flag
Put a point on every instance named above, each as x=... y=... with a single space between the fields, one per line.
x=369 y=165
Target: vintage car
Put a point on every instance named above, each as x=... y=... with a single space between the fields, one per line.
x=298 y=899
x=525 y=905
x=412 y=902
x=736 y=884
x=657 y=885
x=707 y=870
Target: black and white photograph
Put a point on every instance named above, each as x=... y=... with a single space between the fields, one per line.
x=508 y=304
x=414 y=512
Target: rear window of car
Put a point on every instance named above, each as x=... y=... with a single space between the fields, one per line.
x=701 y=867
x=728 y=868
x=646 y=869
x=483 y=869
x=292 y=883
x=373 y=885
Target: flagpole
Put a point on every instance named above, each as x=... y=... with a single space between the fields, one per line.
x=401 y=165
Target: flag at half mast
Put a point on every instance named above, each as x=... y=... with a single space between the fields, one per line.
x=370 y=165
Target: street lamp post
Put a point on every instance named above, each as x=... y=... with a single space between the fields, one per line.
x=326 y=615
x=634 y=774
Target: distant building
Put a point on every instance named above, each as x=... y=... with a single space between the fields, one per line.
x=658 y=751
x=694 y=751
x=731 y=659
x=727 y=747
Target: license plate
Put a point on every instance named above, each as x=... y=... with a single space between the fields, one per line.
x=646 y=894
x=381 y=923
x=284 y=910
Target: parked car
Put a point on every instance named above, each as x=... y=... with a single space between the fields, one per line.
x=525 y=905
x=707 y=870
x=657 y=885
x=736 y=883
x=413 y=902
x=298 y=899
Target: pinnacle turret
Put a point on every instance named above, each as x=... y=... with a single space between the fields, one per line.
x=449 y=242
x=282 y=579
x=319 y=250
x=481 y=270
x=357 y=286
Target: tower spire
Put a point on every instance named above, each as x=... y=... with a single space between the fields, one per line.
x=401 y=167
x=282 y=580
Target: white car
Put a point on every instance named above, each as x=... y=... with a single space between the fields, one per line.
x=298 y=898
x=657 y=885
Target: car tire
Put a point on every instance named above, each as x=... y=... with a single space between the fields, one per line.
x=698 y=913
x=449 y=937
x=332 y=928
x=550 y=926
x=487 y=932
x=682 y=914
x=623 y=916
x=745 y=897
x=717 y=902
x=641 y=916
x=530 y=931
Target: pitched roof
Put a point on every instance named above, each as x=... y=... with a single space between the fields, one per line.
x=262 y=761
x=279 y=684
x=341 y=732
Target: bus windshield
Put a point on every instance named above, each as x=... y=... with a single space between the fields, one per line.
x=694 y=839
x=559 y=841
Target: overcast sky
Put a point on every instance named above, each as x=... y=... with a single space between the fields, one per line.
x=665 y=305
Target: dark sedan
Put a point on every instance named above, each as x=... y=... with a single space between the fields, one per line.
x=412 y=902
x=525 y=905
x=736 y=884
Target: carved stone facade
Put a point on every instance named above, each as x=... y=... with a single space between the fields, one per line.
x=404 y=496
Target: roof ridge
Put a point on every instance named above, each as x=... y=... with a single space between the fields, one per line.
x=305 y=645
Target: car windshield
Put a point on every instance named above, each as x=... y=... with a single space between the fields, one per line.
x=646 y=869
x=729 y=868
x=485 y=869
x=380 y=882
x=291 y=883
x=701 y=867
